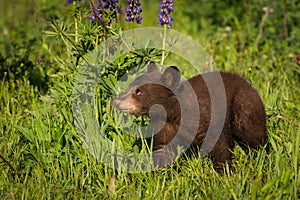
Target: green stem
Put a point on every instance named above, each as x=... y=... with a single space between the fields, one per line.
x=261 y=27
x=132 y=43
x=164 y=44
x=76 y=31
x=75 y=23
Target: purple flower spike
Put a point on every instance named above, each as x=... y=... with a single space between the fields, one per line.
x=164 y=17
x=111 y=5
x=133 y=11
x=97 y=9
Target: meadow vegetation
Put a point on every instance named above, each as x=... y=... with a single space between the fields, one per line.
x=42 y=45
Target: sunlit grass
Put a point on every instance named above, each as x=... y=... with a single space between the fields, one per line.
x=43 y=156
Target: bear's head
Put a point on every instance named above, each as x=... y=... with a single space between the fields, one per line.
x=152 y=88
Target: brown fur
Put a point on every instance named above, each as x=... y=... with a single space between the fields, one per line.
x=245 y=120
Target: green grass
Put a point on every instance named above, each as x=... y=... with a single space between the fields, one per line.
x=43 y=156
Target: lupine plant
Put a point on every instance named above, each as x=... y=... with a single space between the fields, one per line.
x=104 y=13
x=164 y=18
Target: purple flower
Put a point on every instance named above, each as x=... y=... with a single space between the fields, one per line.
x=133 y=11
x=164 y=17
x=96 y=12
x=71 y=1
x=111 y=5
x=138 y=19
x=98 y=8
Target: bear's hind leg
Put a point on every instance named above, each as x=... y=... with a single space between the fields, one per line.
x=249 y=119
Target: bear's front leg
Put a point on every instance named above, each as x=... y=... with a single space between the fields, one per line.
x=162 y=157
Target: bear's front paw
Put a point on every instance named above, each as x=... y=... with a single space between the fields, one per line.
x=162 y=157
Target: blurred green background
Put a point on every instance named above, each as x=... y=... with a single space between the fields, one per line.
x=24 y=49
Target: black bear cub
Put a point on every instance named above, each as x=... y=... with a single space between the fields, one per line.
x=211 y=112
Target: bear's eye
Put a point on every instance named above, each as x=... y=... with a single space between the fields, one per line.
x=138 y=92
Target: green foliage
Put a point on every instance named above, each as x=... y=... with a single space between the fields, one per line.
x=42 y=155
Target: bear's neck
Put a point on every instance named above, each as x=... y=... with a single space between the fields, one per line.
x=165 y=125
x=171 y=115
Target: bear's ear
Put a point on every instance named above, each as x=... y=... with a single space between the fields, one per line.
x=171 y=77
x=152 y=68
